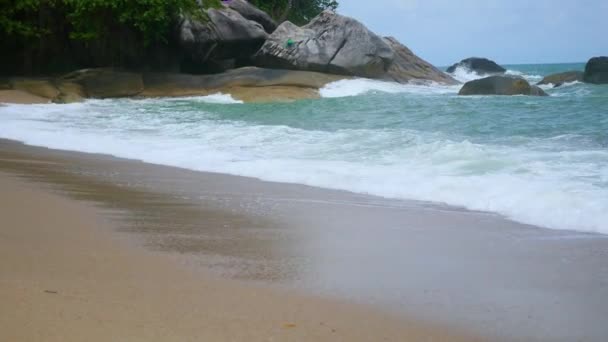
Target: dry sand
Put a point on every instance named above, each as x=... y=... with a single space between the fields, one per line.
x=64 y=276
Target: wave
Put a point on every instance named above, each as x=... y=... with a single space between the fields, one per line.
x=465 y=75
x=360 y=86
x=541 y=181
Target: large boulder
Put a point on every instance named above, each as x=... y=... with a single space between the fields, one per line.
x=102 y=83
x=481 y=66
x=257 y=79
x=561 y=78
x=330 y=43
x=407 y=67
x=250 y=12
x=500 y=85
x=596 y=70
x=39 y=87
x=224 y=35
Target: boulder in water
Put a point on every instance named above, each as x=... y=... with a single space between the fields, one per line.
x=596 y=70
x=501 y=85
x=562 y=77
x=330 y=43
x=481 y=66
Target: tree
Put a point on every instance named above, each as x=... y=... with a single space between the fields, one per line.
x=297 y=11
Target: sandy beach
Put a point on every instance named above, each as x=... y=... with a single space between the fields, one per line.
x=67 y=276
x=95 y=247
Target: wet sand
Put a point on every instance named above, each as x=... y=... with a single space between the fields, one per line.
x=66 y=277
x=468 y=271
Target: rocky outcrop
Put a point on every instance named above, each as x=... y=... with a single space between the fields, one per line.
x=481 y=66
x=250 y=12
x=563 y=77
x=596 y=70
x=223 y=36
x=330 y=43
x=248 y=84
x=501 y=85
x=407 y=67
x=39 y=87
x=103 y=83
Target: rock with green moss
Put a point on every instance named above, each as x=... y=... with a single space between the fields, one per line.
x=501 y=85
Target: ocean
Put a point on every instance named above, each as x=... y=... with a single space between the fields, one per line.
x=536 y=160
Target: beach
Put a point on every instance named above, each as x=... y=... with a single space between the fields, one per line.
x=67 y=275
x=108 y=248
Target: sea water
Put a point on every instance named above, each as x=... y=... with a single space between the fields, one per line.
x=536 y=160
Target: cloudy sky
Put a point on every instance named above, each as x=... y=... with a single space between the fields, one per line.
x=508 y=31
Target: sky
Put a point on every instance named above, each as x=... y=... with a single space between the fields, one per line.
x=507 y=31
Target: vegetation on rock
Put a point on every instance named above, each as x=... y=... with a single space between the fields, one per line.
x=41 y=36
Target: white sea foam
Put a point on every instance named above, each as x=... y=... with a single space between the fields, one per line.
x=465 y=75
x=359 y=86
x=218 y=98
x=536 y=182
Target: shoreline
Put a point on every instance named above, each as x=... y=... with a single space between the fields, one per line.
x=289 y=236
x=68 y=277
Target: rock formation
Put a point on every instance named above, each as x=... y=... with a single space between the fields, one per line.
x=481 y=66
x=596 y=70
x=561 y=78
x=501 y=85
x=407 y=67
x=330 y=43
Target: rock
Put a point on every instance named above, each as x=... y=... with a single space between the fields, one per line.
x=408 y=67
x=481 y=66
x=596 y=70
x=250 y=12
x=70 y=92
x=225 y=35
x=39 y=87
x=330 y=43
x=561 y=78
x=21 y=97
x=501 y=85
x=105 y=83
x=249 y=84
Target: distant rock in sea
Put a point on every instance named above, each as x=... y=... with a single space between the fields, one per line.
x=596 y=70
x=481 y=66
x=561 y=78
x=501 y=85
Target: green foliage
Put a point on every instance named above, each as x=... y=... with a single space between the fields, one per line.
x=152 y=18
x=90 y=19
x=17 y=17
x=297 y=11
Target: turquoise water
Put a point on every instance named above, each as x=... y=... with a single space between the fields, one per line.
x=541 y=161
